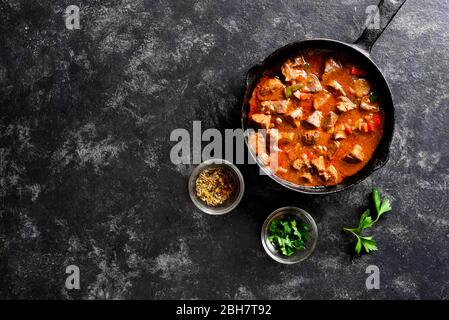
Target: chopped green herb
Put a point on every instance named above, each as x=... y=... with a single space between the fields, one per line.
x=306 y=65
x=373 y=97
x=297 y=86
x=288 y=235
x=289 y=90
x=366 y=222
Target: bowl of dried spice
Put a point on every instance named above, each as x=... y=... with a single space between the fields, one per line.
x=216 y=186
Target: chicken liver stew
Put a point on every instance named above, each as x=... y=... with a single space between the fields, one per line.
x=322 y=117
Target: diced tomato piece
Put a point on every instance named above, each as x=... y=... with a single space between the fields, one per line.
x=348 y=129
x=371 y=126
x=377 y=120
x=357 y=72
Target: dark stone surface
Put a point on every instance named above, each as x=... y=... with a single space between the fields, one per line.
x=86 y=177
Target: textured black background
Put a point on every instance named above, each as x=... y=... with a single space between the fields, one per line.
x=85 y=174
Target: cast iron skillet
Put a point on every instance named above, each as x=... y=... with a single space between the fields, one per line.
x=358 y=51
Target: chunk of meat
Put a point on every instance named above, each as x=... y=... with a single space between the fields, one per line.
x=292 y=74
x=324 y=175
x=361 y=87
x=367 y=105
x=270 y=89
x=281 y=169
x=331 y=65
x=292 y=69
x=297 y=94
x=315 y=119
x=295 y=117
x=332 y=150
x=330 y=120
x=310 y=137
x=330 y=174
x=312 y=84
x=262 y=120
x=302 y=162
x=320 y=99
x=333 y=172
x=321 y=149
x=306 y=177
x=336 y=87
x=318 y=164
x=303 y=95
x=339 y=135
x=355 y=155
x=297 y=164
x=275 y=106
x=296 y=114
x=266 y=107
x=257 y=142
x=344 y=104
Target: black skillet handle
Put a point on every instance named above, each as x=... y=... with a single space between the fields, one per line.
x=387 y=11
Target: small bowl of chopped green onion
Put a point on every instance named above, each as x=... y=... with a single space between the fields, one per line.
x=289 y=235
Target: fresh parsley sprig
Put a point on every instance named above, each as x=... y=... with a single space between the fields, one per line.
x=381 y=206
x=366 y=222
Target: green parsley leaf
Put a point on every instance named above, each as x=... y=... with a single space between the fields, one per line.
x=368 y=244
x=358 y=245
x=381 y=206
x=385 y=207
x=376 y=199
x=286 y=226
x=294 y=225
x=366 y=222
x=288 y=235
